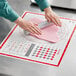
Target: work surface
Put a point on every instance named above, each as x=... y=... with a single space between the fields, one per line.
x=16 y=67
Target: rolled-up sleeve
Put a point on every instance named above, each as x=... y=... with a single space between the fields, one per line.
x=43 y=4
x=7 y=12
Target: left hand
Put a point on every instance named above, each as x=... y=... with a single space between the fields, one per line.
x=52 y=16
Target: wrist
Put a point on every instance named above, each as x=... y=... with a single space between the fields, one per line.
x=48 y=9
x=20 y=21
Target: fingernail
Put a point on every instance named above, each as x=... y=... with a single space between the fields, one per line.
x=60 y=25
x=40 y=33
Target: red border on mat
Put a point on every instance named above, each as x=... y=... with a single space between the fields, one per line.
x=35 y=60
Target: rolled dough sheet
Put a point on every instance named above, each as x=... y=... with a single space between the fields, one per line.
x=49 y=33
x=36 y=20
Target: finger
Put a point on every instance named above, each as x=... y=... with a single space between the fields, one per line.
x=35 y=26
x=30 y=31
x=48 y=19
x=35 y=30
x=57 y=19
x=53 y=20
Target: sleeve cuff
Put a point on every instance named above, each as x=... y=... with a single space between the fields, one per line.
x=42 y=4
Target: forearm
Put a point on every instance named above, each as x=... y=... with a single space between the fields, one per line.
x=7 y=12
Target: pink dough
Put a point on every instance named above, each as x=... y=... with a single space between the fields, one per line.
x=36 y=20
x=49 y=33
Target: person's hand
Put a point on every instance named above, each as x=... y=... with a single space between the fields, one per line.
x=52 y=16
x=29 y=26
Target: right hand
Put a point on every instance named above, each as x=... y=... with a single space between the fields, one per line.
x=52 y=16
x=29 y=26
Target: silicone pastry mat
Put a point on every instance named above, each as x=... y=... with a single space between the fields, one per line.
x=26 y=47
